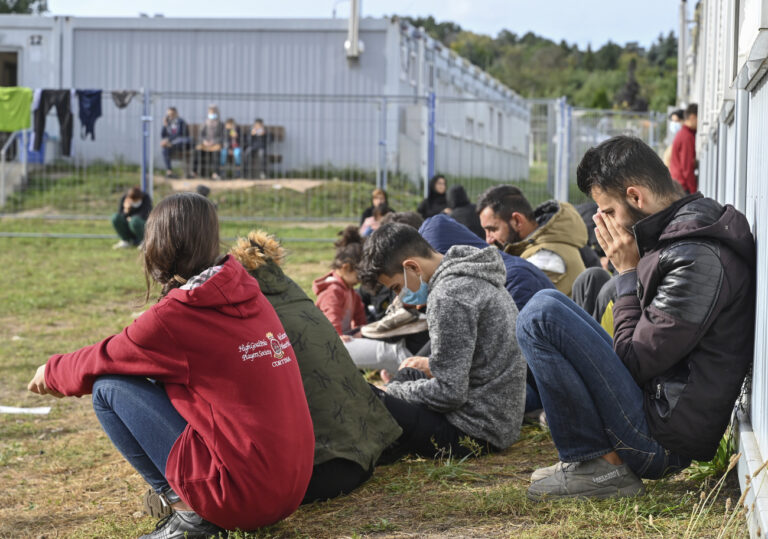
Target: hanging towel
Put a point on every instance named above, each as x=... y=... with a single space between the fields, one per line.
x=63 y=101
x=15 y=103
x=89 y=109
x=123 y=98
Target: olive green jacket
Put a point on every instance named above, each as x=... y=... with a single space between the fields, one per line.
x=350 y=422
x=562 y=231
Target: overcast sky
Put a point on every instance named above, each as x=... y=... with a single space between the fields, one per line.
x=576 y=21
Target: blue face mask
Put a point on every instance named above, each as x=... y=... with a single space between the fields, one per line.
x=674 y=128
x=414 y=298
x=212 y=116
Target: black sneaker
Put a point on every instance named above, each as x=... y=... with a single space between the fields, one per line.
x=185 y=525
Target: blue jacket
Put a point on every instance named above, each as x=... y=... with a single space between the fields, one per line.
x=523 y=278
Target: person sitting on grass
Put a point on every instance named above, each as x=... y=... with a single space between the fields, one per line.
x=374 y=221
x=468 y=396
x=351 y=429
x=173 y=388
x=131 y=217
x=662 y=392
x=343 y=306
x=523 y=280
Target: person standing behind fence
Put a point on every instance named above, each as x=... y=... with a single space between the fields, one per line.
x=682 y=162
x=436 y=201
x=463 y=211
x=256 y=151
x=212 y=140
x=132 y=213
x=175 y=138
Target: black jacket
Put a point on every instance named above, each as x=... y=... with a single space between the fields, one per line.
x=684 y=320
x=464 y=211
x=142 y=211
x=434 y=203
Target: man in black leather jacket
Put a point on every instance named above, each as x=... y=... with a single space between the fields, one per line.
x=662 y=392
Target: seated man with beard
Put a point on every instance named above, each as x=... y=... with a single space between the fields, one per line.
x=661 y=393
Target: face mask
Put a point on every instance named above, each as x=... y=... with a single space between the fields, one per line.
x=212 y=116
x=414 y=298
x=674 y=128
x=135 y=204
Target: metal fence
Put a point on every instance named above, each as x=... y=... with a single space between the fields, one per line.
x=561 y=134
x=324 y=154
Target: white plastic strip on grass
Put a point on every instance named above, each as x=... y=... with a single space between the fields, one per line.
x=42 y=410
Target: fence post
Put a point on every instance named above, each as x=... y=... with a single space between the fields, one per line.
x=145 y=185
x=381 y=173
x=431 y=136
x=25 y=155
x=561 y=160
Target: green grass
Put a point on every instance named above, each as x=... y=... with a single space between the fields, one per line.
x=61 y=477
x=94 y=190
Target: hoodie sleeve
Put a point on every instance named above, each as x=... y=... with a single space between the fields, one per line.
x=332 y=301
x=145 y=348
x=453 y=332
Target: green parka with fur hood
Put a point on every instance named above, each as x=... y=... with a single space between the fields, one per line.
x=350 y=422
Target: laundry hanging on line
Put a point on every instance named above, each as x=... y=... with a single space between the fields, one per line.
x=89 y=110
x=15 y=107
x=45 y=100
x=123 y=98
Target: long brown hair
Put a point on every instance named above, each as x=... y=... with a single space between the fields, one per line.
x=181 y=240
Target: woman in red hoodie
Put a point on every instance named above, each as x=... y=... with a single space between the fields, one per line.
x=202 y=393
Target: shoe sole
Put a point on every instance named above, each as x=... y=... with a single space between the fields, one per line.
x=601 y=494
x=417 y=326
x=153 y=505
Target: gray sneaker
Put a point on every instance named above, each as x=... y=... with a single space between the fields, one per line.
x=596 y=478
x=543 y=473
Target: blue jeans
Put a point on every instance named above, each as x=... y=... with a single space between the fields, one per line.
x=593 y=404
x=236 y=155
x=141 y=422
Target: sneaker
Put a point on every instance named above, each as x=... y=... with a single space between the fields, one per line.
x=396 y=321
x=122 y=244
x=156 y=505
x=215 y=176
x=596 y=478
x=536 y=417
x=185 y=525
x=543 y=473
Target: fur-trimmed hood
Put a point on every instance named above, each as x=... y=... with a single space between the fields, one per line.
x=261 y=255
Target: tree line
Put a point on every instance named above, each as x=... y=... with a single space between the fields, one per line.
x=628 y=77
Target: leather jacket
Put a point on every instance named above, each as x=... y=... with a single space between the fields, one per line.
x=684 y=320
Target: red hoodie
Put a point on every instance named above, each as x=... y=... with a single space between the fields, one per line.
x=340 y=303
x=682 y=162
x=245 y=457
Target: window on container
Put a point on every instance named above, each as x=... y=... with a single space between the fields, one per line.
x=480 y=132
x=470 y=129
x=490 y=123
x=412 y=66
x=431 y=77
x=404 y=62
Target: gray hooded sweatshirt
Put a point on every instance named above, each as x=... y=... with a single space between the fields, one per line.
x=477 y=367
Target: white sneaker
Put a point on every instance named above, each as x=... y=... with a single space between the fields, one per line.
x=122 y=244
